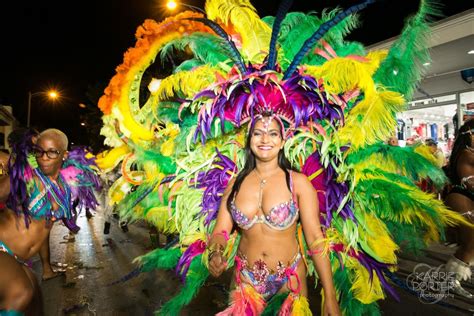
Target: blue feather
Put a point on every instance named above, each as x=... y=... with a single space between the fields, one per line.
x=272 y=54
x=322 y=30
x=234 y=52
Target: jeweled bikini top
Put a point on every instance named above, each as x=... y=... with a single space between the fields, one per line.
x=280 y=217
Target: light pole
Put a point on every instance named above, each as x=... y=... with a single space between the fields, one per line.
x=171 y=5
x=52 y=94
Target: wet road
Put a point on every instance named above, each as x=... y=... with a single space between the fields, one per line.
x=96 y=260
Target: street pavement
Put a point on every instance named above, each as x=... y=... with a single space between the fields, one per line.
x=95 y=260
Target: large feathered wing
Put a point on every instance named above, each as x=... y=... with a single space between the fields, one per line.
x=340 y=102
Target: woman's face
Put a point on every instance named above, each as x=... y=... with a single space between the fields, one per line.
x=49 y=155
x=266 y=140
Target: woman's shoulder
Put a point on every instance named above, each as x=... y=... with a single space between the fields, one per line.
x=229 y=186
x=300 y=180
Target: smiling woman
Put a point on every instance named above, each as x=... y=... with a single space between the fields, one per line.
x=269 y=258
x=213 y=137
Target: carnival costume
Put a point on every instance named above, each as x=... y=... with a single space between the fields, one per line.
x=336 y=104
x=77 y=180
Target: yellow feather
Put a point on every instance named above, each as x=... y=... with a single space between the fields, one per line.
x=376 y=241
x=410 y=215
x=372 y=119
x=375 y=58
x=342 y=74
x=192 y=237
x=424 y=151
x=242 y=16
x=107 y=160
x=118 y=190
x=300 y=307
x=187 y=82
x=364 y=289
x=125 y=105
x=159 y=217
x=374 y=161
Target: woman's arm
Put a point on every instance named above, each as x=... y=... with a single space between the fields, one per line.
x=4 y=178
x=309 y=214
x=218 y=240
x=465 y=169
x=4 y=188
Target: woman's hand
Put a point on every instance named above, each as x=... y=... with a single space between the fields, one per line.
x=331 y=307
x=217 y=264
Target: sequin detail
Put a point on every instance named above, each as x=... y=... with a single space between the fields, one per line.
x=280 y=217
x=266 y=281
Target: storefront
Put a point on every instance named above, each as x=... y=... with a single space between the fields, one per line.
x=436 y=117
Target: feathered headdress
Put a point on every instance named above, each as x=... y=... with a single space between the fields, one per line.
x=337 y=104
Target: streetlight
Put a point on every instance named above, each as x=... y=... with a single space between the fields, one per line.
x=52 y=95
x=171 y=5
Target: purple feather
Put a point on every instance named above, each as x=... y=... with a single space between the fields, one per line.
x=195 y=249
x=86 y=179
x=370 y=264
x=21 y=142
x=297 y=101
x=214 y=183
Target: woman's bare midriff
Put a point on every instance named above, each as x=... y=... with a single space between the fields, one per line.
x=269 y=245
x=24 y=242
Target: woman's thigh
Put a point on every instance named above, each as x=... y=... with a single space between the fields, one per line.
x=14 y=283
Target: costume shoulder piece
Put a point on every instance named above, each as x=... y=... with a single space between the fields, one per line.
x=336 y=103
x=81 y=173
x=31 y=190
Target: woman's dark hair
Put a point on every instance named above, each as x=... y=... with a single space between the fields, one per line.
x=250 y=164
x=463 y=140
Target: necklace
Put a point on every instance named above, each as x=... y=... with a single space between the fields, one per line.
x=262 y=184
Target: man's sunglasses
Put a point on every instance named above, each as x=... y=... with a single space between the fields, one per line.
x=51 y=153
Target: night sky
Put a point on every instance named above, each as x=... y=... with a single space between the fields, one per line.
x=76 y=45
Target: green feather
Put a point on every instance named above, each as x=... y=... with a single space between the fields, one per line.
x=206 y=48
x=127 y=207
x=385 y=197
x=168 y=111
x=188 y=65
x=403 y=67
x=409 y=162
x=159 y=259
x=297 y=27
x=407 y=236
x=195 y=279
x=274 y=304
x=348 y=304
x=165 y=164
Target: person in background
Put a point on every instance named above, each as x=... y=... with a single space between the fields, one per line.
x=392 y=141
x=436 y=151
x=460 y=198
x=27 y=220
